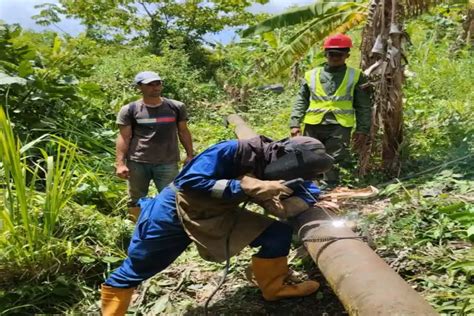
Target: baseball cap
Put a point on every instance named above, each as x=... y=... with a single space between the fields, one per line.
x=146 y=77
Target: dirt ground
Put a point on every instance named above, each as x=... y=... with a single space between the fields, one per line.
x=184 y=287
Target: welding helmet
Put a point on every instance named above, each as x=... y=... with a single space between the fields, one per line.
x=299 y=157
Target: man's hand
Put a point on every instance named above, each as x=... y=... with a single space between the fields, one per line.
x=262 y=190
x=359 y=141
x=187 y=160
x=328 y=205
x=122 y=171
x=289 y=207
x=295 y=131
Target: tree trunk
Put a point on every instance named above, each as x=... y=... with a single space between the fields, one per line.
x=382 y=62
x=466 y=36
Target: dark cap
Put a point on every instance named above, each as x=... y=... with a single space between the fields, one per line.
x=338 y=50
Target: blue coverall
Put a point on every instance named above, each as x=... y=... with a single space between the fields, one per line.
x=159 y=237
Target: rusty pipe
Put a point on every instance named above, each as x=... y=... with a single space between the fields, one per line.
x=363 y=282
x=241 y=129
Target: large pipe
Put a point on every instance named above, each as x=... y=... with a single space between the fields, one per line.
x=241 y=129
x=363 y=282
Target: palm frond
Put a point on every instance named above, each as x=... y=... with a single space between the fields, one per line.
x=271 y=39
x=312 y=33
x=353 y=20
x=295 y=16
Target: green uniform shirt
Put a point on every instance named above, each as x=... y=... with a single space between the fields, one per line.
x=331 y=78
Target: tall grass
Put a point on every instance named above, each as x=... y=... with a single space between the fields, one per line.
x=15 y=196
x=439 y=108
x=28 y=215
x=53 y=250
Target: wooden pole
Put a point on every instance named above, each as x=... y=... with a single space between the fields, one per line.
x=363 y=282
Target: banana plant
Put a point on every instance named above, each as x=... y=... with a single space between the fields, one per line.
x=316 y=21
x=383 y=61
x=382 y=57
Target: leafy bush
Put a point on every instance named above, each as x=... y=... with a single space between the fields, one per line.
x=439 y=110
x=51 y=68
x=35 y=253
x=426 y=234
x=111 y=85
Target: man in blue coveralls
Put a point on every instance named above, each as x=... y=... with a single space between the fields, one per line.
x=202 y=206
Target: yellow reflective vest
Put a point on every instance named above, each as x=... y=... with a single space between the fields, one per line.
x=340 y=104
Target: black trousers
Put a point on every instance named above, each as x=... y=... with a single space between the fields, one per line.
x=336 y=139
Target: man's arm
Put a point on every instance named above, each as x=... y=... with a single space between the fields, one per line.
x=362 y=106
x=186 y=140
x=363 y=113
x=213 y=173
x=121 y=149
x=299 y=109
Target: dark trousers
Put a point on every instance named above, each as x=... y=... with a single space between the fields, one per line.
x=336 y=139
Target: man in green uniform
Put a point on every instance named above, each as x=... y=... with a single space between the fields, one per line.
x=332 y=100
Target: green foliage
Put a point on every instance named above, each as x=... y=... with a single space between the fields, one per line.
x=315 y=22
x=24 y=212
x=49 y=68
x=268 y=114
x=35 y=196
x=438 y=91
x=111 y=84
x=68 y=269
x=425 y=234
x=60 y=195
x=157 y=24
x=159 y=20
x=294 y=16
x=241 y=63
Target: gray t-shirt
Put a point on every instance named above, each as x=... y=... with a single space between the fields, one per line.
x=154 y=130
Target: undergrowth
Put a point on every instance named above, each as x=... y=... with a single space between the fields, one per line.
x=59 y=245
x=425 y=232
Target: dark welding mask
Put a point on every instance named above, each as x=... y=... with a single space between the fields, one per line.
x=299 y=157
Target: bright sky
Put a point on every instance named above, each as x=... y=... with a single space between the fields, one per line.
x=20 y=11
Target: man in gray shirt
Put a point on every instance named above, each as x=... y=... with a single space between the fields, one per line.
x=147 y=144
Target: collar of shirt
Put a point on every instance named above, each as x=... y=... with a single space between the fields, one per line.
x=330 y=69
x=151 y=105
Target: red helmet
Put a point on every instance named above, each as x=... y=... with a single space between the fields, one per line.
x=337 y=41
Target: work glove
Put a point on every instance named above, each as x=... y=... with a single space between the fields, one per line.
x=289 y=207
x=328 y=206
x=261 y=190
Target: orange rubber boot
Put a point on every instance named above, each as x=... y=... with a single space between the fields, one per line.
x=115 y=300
x=271 y=274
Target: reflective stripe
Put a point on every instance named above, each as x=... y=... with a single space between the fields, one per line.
x=319 y=97
x=173 y=187
x=339 y=103
x=333 y=111
x=331 y=97
x=350 y=82
x=343 y=111
x=344 y=98
x=313 y=81
x=317 y=110
x=217 y=190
